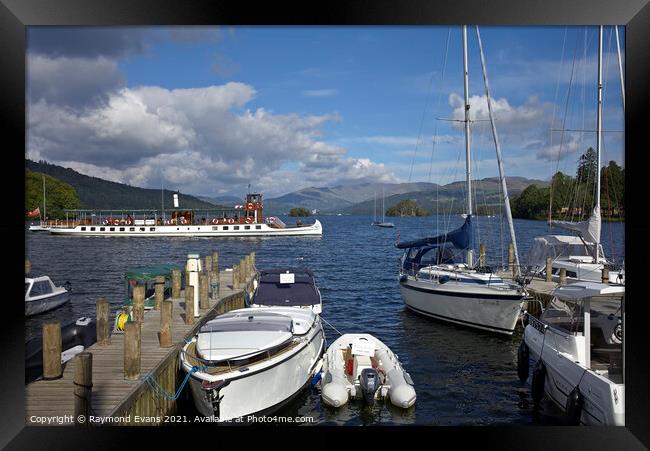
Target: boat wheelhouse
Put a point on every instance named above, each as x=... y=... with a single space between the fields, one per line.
x=242 y=220
x=577 y=346
x=288 y=287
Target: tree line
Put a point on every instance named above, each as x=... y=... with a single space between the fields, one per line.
x=58 y=195
x=574 y=197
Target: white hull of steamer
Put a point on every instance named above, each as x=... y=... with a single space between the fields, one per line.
x=487 y=308
x=604 y=400
x=262 y=387
x=205 y=230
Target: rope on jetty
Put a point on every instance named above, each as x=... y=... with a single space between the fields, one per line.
x=160 y=391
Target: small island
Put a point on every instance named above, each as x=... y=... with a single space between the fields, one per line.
x=407 y=207
x=299 y=212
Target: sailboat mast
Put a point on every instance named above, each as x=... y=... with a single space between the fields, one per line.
x=44 y=207
x=504 y=185
x=468 y=163
x=620 y=66
x=599 y=126
x=383 y=211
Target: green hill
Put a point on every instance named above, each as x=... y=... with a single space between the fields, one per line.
x=58 y=195
x=96 y=193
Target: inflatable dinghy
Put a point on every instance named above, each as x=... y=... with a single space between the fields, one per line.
x=359 y=366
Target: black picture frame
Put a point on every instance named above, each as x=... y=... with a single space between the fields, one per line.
x=15 y=15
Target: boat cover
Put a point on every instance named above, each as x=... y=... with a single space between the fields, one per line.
x=589 y=229
x=302 y=292
x=461 y=238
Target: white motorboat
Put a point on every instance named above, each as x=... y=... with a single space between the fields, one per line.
x=246 y=220
x=359 y=366
x=42 y=295
x=288 y=287
x=252 y=361
x=438 y=281
x=581 y=256
x=577 y=344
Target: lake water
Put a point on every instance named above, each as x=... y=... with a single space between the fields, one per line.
x=461 y=376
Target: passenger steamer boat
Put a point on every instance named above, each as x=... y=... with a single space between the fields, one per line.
x=243 y=220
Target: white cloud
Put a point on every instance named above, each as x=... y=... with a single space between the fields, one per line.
x=203 y=140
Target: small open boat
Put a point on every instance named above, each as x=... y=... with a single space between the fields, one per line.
x=252 y=361
x=41 y=295
x=359 y=366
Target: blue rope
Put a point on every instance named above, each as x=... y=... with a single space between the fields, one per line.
x=163 y=393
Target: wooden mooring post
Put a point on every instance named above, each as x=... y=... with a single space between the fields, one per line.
x=481 y=255
x=83 y=387
x=28 y=267
x=166 y=324
x=132 y=350
x=549 y=269
x=215 y=262
x=176 y=283
x=52 y=350
x=562 y=277
x=138 y=303
x=604 y=277
x=189 y=304
x=204 y=301
x=103 y=332
x=159 y=292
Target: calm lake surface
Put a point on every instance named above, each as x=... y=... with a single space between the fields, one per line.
x=461 y=376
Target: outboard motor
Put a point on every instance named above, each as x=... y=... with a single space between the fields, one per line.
x=369 y=380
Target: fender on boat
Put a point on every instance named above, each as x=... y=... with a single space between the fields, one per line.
x=522 y=362
x=334 y=385
x=401 y=392
x=537 y=384
x=574 y=404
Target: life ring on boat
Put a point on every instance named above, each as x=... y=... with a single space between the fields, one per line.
x=129 y=222
x=250 y=206
x=183 y=220
x=537 y=384
x=215 y=221
x=106 y=221
x=231 y=221
x=249 y=220
x=116 y=221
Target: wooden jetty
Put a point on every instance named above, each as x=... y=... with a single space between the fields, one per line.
x=98 y=387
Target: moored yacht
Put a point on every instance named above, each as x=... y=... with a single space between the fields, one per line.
x=438 y=277
x=577 y=344
x=252 y=361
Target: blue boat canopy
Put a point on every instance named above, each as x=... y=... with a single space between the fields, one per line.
x=448 y=248
x=461 y=238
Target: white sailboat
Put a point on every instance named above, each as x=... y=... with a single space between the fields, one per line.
x=383 y=222
x=375 y=222
x=435 y=282
x=581 y=256
x=42 y=226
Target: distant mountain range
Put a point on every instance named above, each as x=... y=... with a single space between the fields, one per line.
x=96 y=193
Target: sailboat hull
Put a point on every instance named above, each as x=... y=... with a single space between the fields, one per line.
x=479 y=308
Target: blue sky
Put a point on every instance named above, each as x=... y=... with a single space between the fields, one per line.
x=208 y=110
